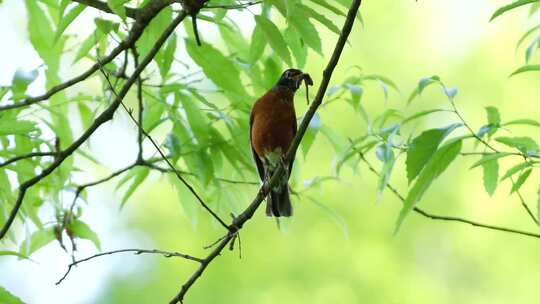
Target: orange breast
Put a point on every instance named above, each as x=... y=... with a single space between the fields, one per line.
x=273 y=123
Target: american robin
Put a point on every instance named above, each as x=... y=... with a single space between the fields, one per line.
x=272 y=129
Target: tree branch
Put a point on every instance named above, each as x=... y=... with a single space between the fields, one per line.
x=445 y=218
x=166 y=254
x=239 y=221
x=101 y=119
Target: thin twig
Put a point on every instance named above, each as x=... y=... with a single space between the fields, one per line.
x=166 y=254
x=29 y=155
x=248 y=213
x=234 y=6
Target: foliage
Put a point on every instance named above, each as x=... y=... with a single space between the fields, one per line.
x=200 y=98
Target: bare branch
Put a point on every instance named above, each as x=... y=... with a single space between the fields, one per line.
x=166 y=254
x=101 y=119
x=239 y=221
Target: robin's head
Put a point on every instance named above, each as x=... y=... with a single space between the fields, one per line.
x=292 y=79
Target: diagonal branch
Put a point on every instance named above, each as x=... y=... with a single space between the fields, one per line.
x=101 y=119
x=144 y=16
x=239 y=221
x=166 y=254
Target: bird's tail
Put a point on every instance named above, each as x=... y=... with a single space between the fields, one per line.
x=278 y=201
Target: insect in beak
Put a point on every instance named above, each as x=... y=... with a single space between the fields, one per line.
x=307 y=80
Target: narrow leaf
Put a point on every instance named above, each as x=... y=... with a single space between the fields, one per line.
x=526 y=68
x=510 y=6
x=521 y=180
x=81 y=230
x=491 y=175
x=436 y=165
x=274 y=37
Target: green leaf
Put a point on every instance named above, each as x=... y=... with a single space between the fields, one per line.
x=20 y=127
x=117 y=6
x=421 y=114
x=515 y=169
x=491 y=175
x=140 y=173
x=20 y=82
x=494 y=117
x=258 y=43
x=436 y=165
x=197 y=121
x=274 y=37
x=510 y=6
x=538 y=205
x=532 y=49
x=308 y=32
x=297 y=46
x=13 y=253
x=523 y=143
x=422 y=84
x=388 y=165
x=339 y=220
x=527 y=34
x=526 y=68
x=7 y=298
x=190 y=206
x=96 y=37
x=41 y=33
x=81 y=230
x=311 y=13
x=37 y=240
x=234 y=40
x=165 y=57
x=423 y=147
x=529 y=122
x=521 y=180
x=217 y=67
x=153 y=31
x=490 y=157
x=329 y=7
x=66 y=20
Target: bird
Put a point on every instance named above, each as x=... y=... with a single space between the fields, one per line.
x=272 y=129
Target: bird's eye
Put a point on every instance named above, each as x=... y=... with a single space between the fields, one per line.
x=287 y=74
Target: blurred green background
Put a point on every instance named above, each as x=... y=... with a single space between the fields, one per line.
x=348 y=255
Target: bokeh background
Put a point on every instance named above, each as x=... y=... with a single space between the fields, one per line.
x=348 y=254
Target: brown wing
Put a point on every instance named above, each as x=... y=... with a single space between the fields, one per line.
x=258 y=161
